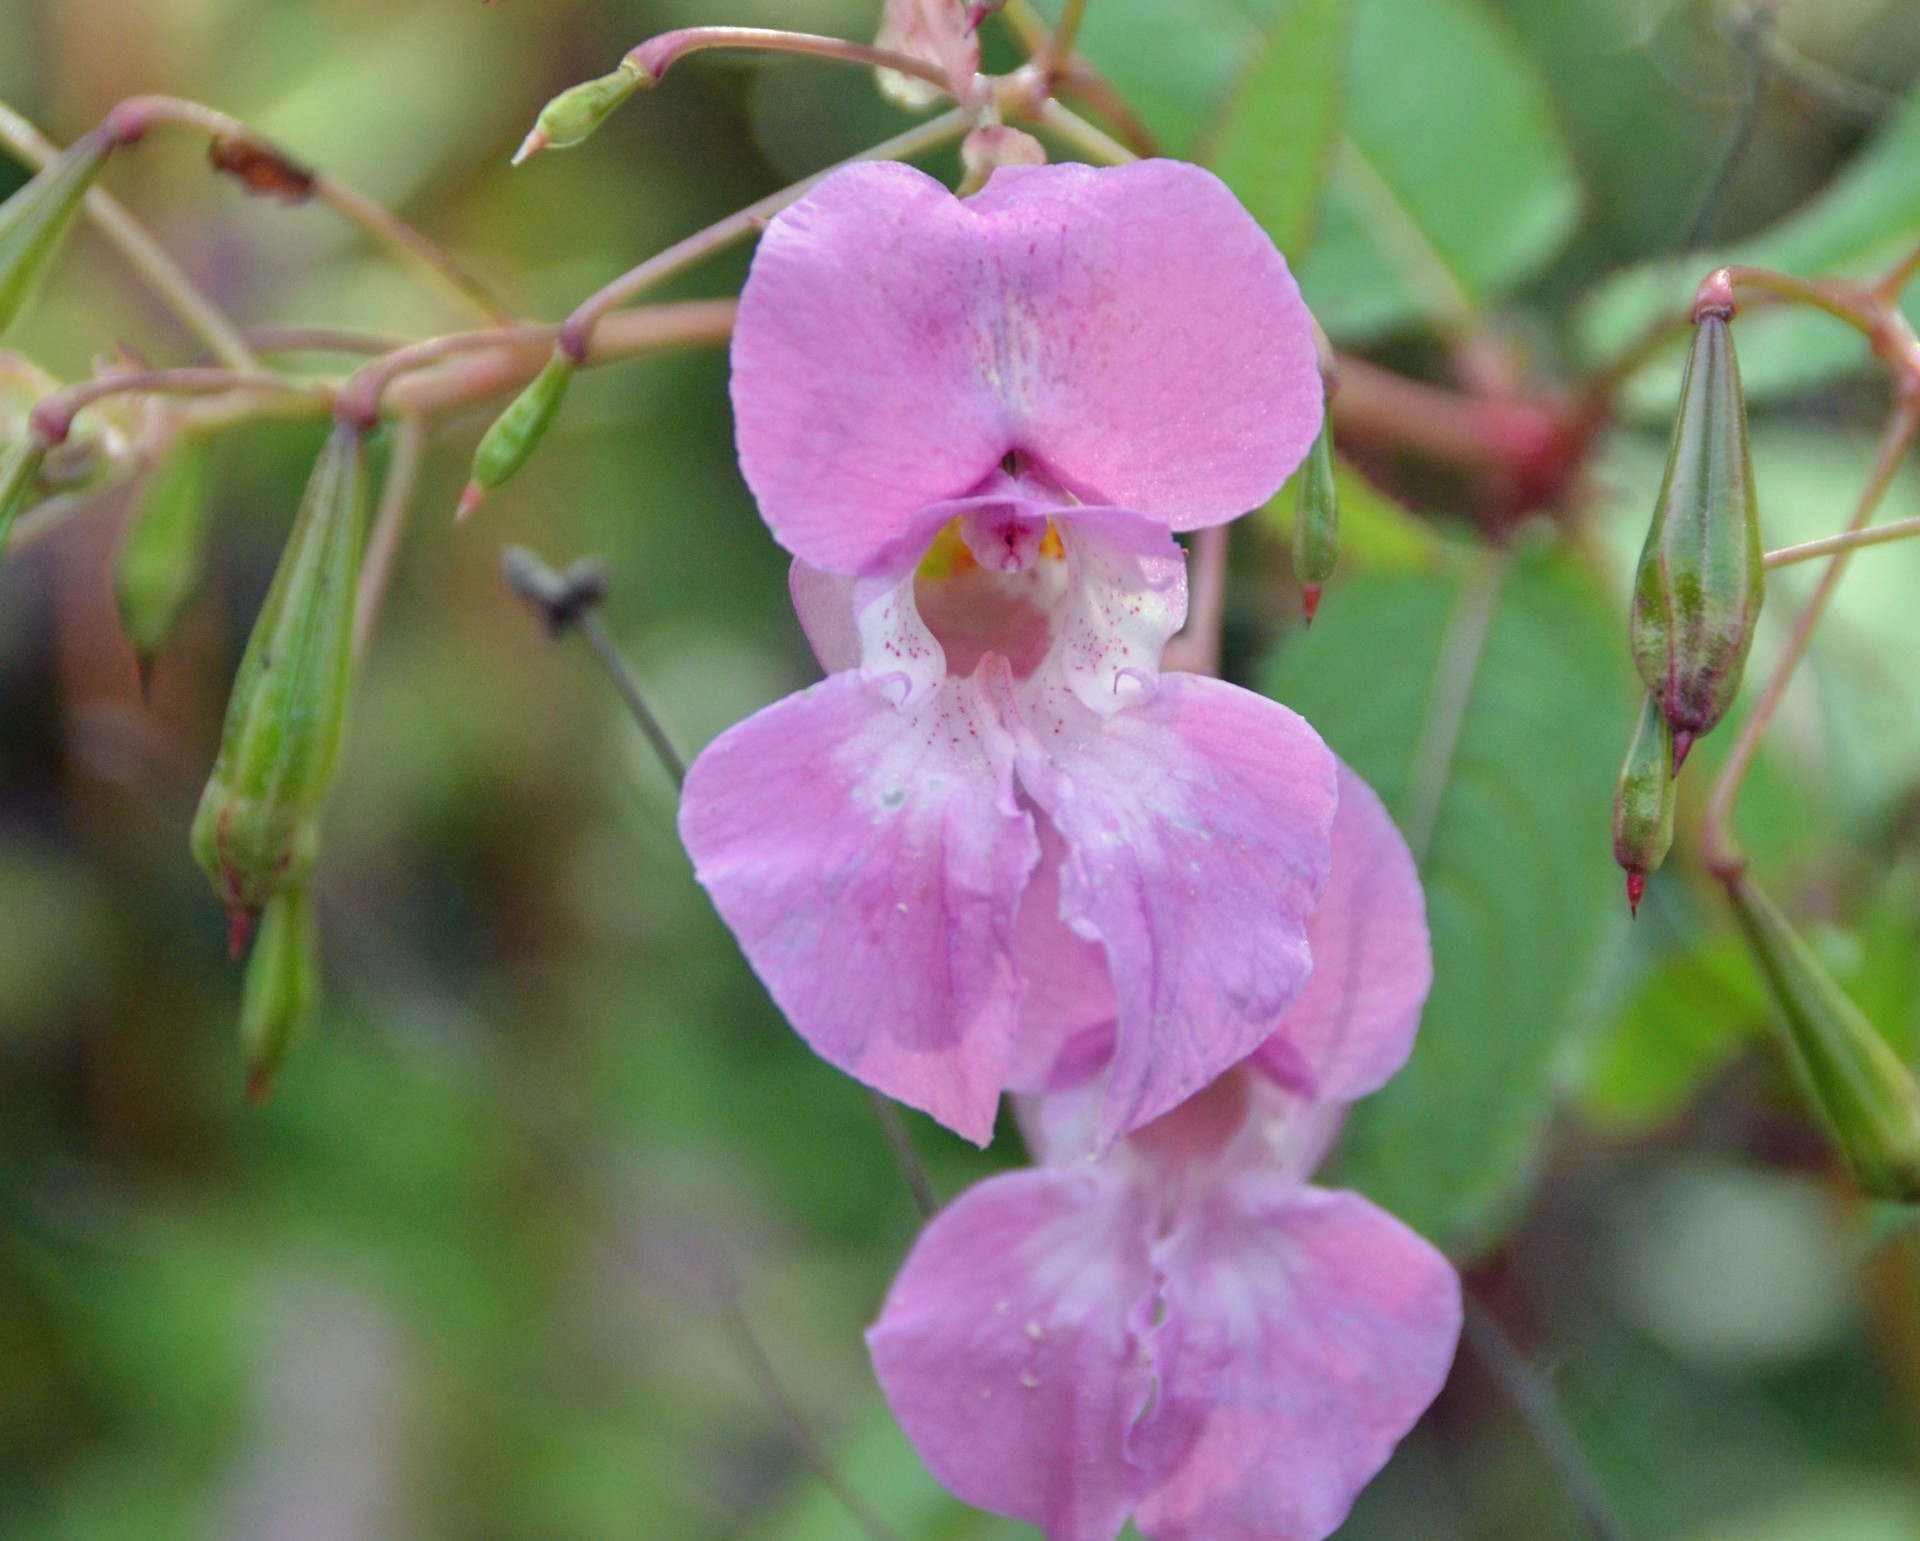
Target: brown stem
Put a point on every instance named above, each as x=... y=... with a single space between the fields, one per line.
x=659 y=54
x=52 y=417
x=360 y=398
x=389 y=524
x=133 y=118
x=576 y=334
x=479 y=365
x=1058 y=49
x=1376 y=403
x=1717 y=847
x=1878 y=535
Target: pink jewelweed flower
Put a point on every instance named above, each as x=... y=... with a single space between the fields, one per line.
x=997 y=835
x=1184 y=1330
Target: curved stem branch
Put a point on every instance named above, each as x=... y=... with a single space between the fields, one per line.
x=1717 y=848
x=1095 y=143
x=134 y=117
x=389 y=524
x=139 y=250
x=52 y=417
x=576 y=334
x=1876 y=535
x=659 y=54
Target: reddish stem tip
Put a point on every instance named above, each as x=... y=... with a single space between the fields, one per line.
x=1682 y=745
x=259 y=1085
x=1715 y=296
x=1636 y=890
x=470 y=500
x=239 y=933
x=1310 y=600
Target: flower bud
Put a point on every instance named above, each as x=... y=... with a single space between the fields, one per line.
x=572 y=116
x=283 y=985
x=257 y=827
x=161 y=556
x=1643 y=805
x=1316 y=520
x=1701 y=580
x=516 y=433
x=34 y=219
x=1863 y=1091
x=993 y=145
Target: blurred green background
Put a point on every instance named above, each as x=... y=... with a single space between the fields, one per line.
x=469 y=1274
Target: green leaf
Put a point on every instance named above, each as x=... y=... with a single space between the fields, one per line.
x=1863 y=222
x=1174 y=62
x=1452 y=182
x=1519 y=871
x=1687 y=1020
x=1275 y=147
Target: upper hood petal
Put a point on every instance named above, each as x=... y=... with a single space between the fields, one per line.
x=1131 y=329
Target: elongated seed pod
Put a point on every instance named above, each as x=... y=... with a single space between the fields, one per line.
x=1701 y=579
x=516 y=433
x=282 y=988
x=572 y=116
x=163 y=554
x=36 y=218
x=258 y=823
x=1859 y=1085
x=1316 y=520
x=1643 y=804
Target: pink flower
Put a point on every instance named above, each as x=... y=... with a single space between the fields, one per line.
x=1184 y=1330
x=997 y=840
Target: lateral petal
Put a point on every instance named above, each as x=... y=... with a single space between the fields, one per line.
x=1305 y=1333
x=1008 y=1347
x=1198 y=827
x=870 y=859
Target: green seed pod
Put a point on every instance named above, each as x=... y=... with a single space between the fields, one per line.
x=20 y=464
x=33 y=220
x=1701 y=580
x=572 y=116
x=1863 y=1091
x=257 y=827
x=1316 y=520
x=1643 y=805
x=163 y=554
x=283 y=986
x=516 y=433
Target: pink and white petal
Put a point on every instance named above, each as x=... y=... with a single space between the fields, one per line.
x=1132 y=329
x=1126 y=596
x=1354 y=1024
x=860 y=394
x=1305 y=1333
x=1162 y=358
x=936 y=31
x=1198 y=833
x=1009 y=1347
x=870 y=861
x=1065 y=1027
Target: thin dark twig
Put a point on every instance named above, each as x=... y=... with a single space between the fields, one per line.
x=905 y=1155
x=747 y=1345
x=1533 y=1399
x=565 y=602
